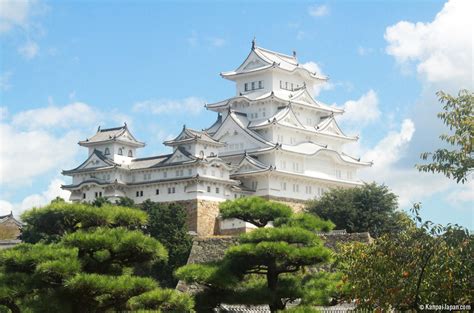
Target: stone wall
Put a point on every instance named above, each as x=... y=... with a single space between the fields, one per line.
x=296 y=205
x=206 y=249
x=207 y=213
x=201 y=216
x=9 y=230
x=210 y=249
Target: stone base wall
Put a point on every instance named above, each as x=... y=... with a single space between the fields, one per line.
x=9 y=230
x=297 y=205
x=201 y=216
x=211 y=249
x=207 y=213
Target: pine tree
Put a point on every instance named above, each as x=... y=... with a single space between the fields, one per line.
x=80 y=258
x=269 y=265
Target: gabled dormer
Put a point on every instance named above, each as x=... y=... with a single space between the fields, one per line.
x=197 y=143
x=116 y=143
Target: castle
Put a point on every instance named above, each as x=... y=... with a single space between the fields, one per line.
x=272 y=139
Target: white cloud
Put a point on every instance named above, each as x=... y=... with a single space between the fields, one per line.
x=75 y=114
x=36 y=200
x=216 y=41
x=25 y=154
x=3 y=113
x=300 y=35
x=193 y=39
x=192 y=105
x=196 y=39
x=390 y=148
x=315 y=68
x=363 y=51
x=361 y=111
x=318 y=10
x=5 y=81
x=37 y=141
x=14 y=13
x=407 y=182
x=464 y=194
x=441 y=49
x=29 y=50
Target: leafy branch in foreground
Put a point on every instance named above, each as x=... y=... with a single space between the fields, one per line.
x=458 y=116
x=424 y=263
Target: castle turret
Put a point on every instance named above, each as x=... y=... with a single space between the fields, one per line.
x=117 y=144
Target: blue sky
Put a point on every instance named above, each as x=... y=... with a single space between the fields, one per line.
x=67 y=67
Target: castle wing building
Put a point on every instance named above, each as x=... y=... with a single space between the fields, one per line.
x=271 y=139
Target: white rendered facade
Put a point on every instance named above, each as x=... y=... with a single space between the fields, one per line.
x=271 y=139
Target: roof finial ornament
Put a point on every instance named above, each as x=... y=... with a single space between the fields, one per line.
x=98 y=129
x=254 y=42
x=294 y=54
x=184 y=126
x=125 y=124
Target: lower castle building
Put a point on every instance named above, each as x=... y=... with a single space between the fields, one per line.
x=272 y=139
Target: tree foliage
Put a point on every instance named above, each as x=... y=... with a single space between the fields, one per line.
x=254 y=210
x=167 y=223
x=458 y=116
x=370 y=207
x=50 y=223
x=403 y=270
x=83 y=260
x=268 y=266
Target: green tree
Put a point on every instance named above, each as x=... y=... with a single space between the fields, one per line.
x=100 y=201
x=167 y=223
x=83 y=260
x=268 y=265
x=50 y=223
x=418 y=265
x=370 y=207
x=126 y=201
x=458 y=116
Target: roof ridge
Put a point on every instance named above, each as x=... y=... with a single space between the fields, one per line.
x=112 y=129
x=152 y=157
x=276 y=52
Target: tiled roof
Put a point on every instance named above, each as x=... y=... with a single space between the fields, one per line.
x=190 y=135
x=107 y=134
x=273 y=59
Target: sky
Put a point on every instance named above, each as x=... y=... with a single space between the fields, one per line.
x=67 y=67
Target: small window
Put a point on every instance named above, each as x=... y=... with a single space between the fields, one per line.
x=130 y=153
x=174 y=189
x=291 y=86
x=253 y=85
x=246 y=86
x=138 y=194
x=107 y=151
x=260 y=84
x=141 y=193
x=165 y=174
x=281 y=84
x=217 y=190
x=96 y=194
x=120 y=151
x=286 y=85
x=157 y=191
x=83 y=196
x=208 y=188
